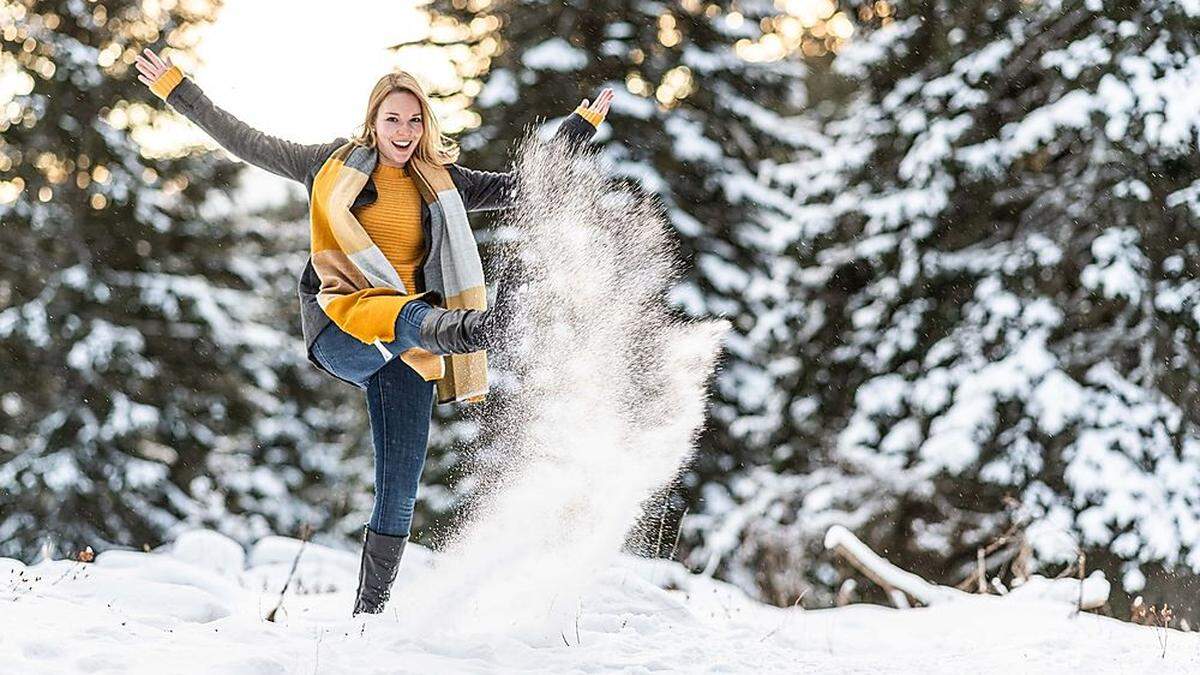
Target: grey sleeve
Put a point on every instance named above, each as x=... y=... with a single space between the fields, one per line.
x=490 y=190
x=575 y=130
x=281 y=157
x=483 y=190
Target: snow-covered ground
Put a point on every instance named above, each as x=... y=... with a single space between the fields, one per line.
x=197 y=606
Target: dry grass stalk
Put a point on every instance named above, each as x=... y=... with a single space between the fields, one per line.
x=662 y=524
x=1150 y=615
x=678 y=531
x=1161 y=620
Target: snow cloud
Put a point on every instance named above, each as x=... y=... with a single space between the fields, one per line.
x=610 y=394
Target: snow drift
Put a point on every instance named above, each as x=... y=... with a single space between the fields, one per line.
x=196 y=606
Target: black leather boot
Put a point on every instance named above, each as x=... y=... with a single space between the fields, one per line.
x=457 y=331
x=380 y=561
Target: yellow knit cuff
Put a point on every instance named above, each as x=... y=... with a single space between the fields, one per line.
x=167 y=82
x=590 y=115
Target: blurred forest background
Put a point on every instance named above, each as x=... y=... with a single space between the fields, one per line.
x=957 y=241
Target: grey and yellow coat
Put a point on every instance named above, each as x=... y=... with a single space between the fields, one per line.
x=347 y=280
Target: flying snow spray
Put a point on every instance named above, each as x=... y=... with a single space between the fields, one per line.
x=609 y=396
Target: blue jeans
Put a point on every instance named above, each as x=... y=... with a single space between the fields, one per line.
x=399 y=404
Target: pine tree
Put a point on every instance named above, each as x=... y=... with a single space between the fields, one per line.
x=692 y=122
x=152 y=374
x=995 y=307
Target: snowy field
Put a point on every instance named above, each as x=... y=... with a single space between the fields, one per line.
x=197 y=606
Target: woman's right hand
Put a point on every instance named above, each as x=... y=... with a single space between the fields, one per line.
x=151 y=66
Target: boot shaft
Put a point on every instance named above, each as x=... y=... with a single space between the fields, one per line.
x=377 y=571
x=455 y=331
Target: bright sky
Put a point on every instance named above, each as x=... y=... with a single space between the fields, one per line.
x=304 y=73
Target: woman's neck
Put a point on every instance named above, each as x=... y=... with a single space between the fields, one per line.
x=386 y=162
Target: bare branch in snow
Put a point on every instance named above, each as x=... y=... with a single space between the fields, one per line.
x=1088 y=592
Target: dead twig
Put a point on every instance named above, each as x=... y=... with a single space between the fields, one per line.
x=305 y=532
x=785 y=619
x=1004 y=548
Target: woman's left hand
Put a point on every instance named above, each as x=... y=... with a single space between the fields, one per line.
x=600 y=106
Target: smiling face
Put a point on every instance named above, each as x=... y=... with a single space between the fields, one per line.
x=399 y=124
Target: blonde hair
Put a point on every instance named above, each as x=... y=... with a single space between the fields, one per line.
x=434 y=147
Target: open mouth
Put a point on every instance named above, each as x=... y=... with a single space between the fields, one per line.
x=402 y=145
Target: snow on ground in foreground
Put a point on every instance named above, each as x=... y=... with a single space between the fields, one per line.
x=195 y=607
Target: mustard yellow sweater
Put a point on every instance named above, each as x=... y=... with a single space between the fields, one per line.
x=393 y=221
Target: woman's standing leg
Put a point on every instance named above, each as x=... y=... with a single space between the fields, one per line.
x=400 y=404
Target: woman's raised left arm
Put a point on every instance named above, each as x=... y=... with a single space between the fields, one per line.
x=490 y=190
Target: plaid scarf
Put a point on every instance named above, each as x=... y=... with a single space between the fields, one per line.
x=361 y=292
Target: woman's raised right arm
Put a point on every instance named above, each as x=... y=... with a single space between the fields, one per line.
x=285 y=158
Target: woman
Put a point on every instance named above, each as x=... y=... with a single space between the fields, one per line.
x=393 y=272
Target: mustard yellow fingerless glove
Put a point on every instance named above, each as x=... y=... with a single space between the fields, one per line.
x=167 y=82
x=590 y=115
